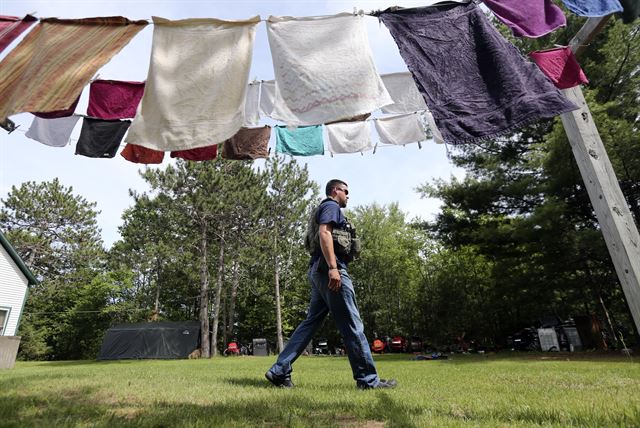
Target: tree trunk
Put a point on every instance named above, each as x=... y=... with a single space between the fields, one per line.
x=277 y=286
x=204 y=295
x=216 y=306
x=156 y=303
x=235 y=284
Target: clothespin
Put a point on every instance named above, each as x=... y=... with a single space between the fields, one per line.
x=419 y=145
x=361 y=154
x=9 y=125
x=375 y=148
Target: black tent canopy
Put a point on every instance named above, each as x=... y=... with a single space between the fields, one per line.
x=152 y=340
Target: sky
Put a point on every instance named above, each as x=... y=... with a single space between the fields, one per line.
x=389 y=175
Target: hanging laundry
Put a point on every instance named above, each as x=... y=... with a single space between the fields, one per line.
x=533 y=18
x=404 y=92
x=435 y=132
x=48 y=69
x=11 y=27
x=252 y=105
x=593 y=8
x=399 y=130
x=194 y=96
x=60 y=113
x=560 y=65
x=349 y=137
x=52 y=132
x=139 y=154
x=475 y=83
x=114 y=99
x=101 y=138
x=301 y=141
x=358 y=118
x=248 y=143
x=630 y=10
x=324 y=69
x=197 y=154
x=267 y=97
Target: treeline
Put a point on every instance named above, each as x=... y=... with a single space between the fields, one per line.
x=221 y=241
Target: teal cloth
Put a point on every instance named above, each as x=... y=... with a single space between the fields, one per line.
x=300 y=141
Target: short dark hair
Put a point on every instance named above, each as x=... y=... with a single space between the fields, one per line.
x=332 y=184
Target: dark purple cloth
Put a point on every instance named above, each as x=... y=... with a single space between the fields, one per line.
x=531 y=18
x=11 y=27
x=476 y=84
x=58 y=113
x=101 y=138
x=114 y=99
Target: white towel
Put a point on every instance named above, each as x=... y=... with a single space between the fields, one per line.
x=52 y=132
x=399 y=130
x=349 y=137
x=404 y=92
x=197 y=83
x=251 y=105
x=267 y=97
x=435 y=132
x=324 y=69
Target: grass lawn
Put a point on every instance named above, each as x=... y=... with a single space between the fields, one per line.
x=493 y=390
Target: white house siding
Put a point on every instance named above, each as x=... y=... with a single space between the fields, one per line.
x=13 y=290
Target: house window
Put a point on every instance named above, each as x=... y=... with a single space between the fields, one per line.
x=4 y=317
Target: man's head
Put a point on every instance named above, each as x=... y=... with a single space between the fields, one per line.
x=338 y=191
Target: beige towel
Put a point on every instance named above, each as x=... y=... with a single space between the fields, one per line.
x=324 y=69
x=197 y=83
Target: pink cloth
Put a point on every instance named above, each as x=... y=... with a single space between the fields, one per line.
x=198 y=154
x=560 y=66
x=114 y=99
x=11 y=27
x=531 y=18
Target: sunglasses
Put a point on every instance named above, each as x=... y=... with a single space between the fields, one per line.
x=346 y=192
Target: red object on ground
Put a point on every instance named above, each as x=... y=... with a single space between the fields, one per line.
x=399 y=344
x=377 y=346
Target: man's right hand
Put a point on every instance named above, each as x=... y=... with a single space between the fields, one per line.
x=335 y=282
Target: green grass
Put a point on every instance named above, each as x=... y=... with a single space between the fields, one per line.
x=496 y=390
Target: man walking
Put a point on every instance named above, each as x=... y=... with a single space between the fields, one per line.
x=331 y=290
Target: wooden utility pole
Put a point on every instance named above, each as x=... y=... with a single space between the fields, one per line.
x=615 y=219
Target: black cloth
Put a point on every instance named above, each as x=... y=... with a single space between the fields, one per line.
x=100 y=138
x=630 y=10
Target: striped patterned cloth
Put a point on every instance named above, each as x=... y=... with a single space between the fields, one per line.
x=11 y=27
x=49 y=68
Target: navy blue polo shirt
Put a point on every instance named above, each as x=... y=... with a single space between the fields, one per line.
x=330 y=213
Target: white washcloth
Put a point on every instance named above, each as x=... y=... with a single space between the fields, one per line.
x=52 y=132
x=405 y=94
x=399 y=130
x=251 y=105
x=435 y=132
x=197 y=83
x=267 y=97
x=324 y=69
x=349 y=137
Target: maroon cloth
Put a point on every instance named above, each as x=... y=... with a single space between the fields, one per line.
x=560 y=65
x=59 y=113
x=139 y=154
x=247 y=144
x=199 y=154
x=114 y=99
x=11 y=27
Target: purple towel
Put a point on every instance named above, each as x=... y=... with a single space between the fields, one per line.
x=477 y=85
x=533 y=18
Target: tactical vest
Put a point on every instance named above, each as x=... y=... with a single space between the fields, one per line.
x=346 y=244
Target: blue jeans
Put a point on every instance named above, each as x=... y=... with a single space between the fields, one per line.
x=343 y=307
